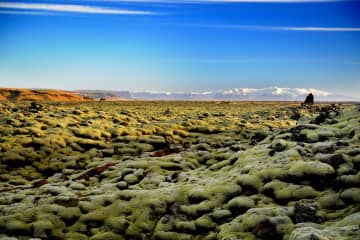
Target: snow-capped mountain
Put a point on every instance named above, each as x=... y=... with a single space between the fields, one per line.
x=255 y=94
x=150 y=95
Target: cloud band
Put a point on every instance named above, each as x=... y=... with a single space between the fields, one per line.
x=70 y=8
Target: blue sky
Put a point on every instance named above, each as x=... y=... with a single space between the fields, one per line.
x=173 y=45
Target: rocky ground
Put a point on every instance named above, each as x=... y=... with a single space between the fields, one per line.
x=179 y=170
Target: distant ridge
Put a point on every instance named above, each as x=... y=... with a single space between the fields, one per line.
x=20 y=94
x=246 y=94
x=105 y=94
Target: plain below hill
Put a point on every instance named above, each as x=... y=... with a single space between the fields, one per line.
x=106 y=95
x=18 y=94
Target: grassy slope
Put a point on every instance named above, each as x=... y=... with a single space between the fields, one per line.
x=15 y=94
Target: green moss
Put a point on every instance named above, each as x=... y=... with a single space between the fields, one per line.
x=131 y=179
x=89 y=143
x=198 y=209
x=313 y=168
x=58 y=140
x=331 y=201
x=351 y=194
x=331 y=233
x=221 y=214
x=221 y=192
x=282 y=224
x=353 y=219
x=69 y=215
x=162 y=235
x=213 y=188
x=48 y=226
x=205 y=129
x=107 y=236
x=35 y=131
x=75 y=236
x=198 y=195
x=144 y=147
x=53 y=190
x=185 y=226
x=90 y=133
x=239 y=203
x=250 y=181
x=18 y=227
x=211 y=236
x=12 y=158
x=95 y=218
x=288 y=191
x=204 y=222
x=126 y=150
x=202 y=147
x=311 y=136
x=117 y=224
x=269 y=173
x=324 y=147
x=350 y=180
x=278 y=145
x=251 y=220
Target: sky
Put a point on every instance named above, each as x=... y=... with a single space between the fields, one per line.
x=174 y=45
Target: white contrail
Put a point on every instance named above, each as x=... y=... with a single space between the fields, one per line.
x=280 y=28
x=70 y=8
x=319 y=29
x=12 y=12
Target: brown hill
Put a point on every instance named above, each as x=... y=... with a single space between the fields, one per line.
x=17 y=94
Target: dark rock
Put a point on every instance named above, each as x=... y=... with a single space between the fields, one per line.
x=324 y=147
x=35 y=106
x=309 y=99
x=297 y=135
x=258 y=137
x=354 y=152
x=295 y=116
x=168 y=112
x=266 y=231
x=303 y=151
x=320 y=118
x=342 y=143
x=306 y=212
x=69 y=202
x=204 y=115
x=336 y=159
x=326 y=113
x=278 y=145
x=272 y=153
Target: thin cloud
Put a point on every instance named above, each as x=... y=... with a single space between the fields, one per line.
x=266 y=60
x=319 y=29
x=220 y=1
x=235 y=60
x=282 y=28
x=26 y=12
x=84 y=9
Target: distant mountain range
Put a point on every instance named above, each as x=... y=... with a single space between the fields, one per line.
x=252 y=94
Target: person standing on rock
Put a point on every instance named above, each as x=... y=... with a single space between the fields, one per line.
x=309 y=100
